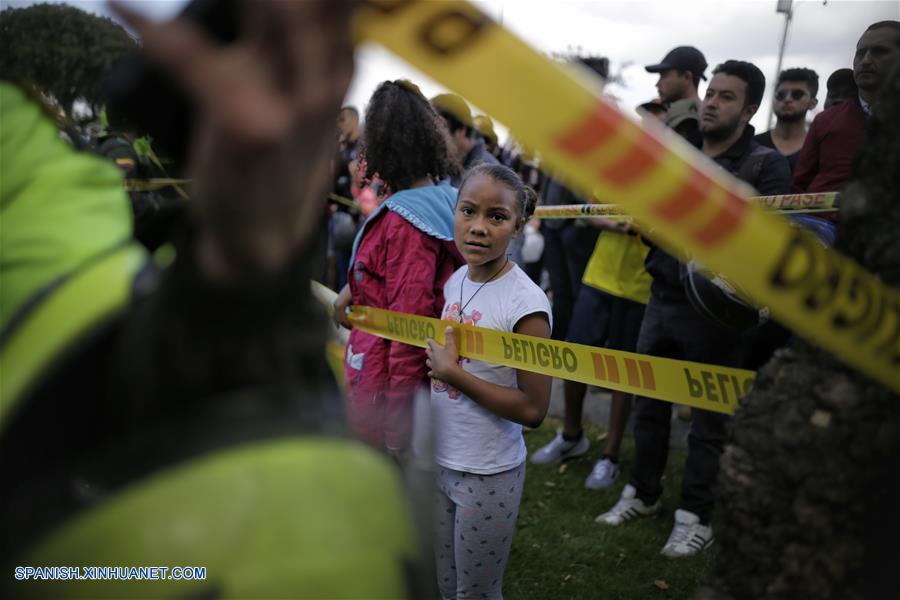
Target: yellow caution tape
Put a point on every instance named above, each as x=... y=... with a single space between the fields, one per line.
x=150 y=185
x=325 y=295
x=353 y=204
x=788 y=202
x=150 y=154
x=337 y=337
x=791 y=203
x=692 y=204
x=709 y=387
x=617 y=212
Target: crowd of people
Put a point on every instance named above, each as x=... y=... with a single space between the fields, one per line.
x=427 y=214
x=610 y=287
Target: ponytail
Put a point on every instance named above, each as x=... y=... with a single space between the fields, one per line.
x=530 y=201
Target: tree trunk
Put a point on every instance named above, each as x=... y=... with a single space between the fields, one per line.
x=810 y=479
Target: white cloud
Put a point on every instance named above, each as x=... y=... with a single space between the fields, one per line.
x=822 y=36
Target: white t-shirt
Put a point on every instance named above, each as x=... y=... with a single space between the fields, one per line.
x=468 y=436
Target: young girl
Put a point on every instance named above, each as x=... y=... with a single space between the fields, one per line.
x=479 y=408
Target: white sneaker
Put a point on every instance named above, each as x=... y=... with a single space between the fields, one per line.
x=688 y=536
x=627 y=508
x=603 y=475
x=560 y=449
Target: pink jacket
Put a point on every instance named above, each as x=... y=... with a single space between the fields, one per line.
x=399 y=267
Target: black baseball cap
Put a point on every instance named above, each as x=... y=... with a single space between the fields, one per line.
x=683 y=58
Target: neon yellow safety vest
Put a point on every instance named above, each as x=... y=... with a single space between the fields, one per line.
x=304 y=517
x=297 y=516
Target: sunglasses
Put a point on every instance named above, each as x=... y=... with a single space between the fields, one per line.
x=796 y=94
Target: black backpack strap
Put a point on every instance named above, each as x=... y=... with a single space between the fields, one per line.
x=753 y=164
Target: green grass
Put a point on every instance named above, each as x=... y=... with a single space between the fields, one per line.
x=560 y=552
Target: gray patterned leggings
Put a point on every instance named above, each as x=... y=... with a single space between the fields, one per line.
x=476 y=519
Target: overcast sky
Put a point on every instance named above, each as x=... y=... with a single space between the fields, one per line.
x=632 y=33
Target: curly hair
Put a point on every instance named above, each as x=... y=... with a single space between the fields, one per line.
x=404 y=139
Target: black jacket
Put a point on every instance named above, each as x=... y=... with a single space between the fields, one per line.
x=763 y=168
x=477 y=155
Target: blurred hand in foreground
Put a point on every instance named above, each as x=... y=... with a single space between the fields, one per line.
x=264 y=137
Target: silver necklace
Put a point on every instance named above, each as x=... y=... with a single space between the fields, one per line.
x=462 y=284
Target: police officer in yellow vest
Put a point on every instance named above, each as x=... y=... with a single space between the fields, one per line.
x=187 y=419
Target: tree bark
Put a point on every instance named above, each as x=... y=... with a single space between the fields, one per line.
x=810 y=480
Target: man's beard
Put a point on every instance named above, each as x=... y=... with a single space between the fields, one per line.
x=720 y=132
x=672 y=96
x=791 y=118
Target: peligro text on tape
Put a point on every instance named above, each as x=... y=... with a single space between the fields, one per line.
x=791 y=203
x=822 y=200
x=709 y=387
x=690 y=204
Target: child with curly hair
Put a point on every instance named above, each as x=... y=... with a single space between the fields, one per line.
x=401 y=258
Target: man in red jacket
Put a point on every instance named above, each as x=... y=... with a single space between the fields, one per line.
x=826 y=159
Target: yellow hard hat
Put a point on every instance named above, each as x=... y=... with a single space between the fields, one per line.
x=455 y=105
x=485 y=127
